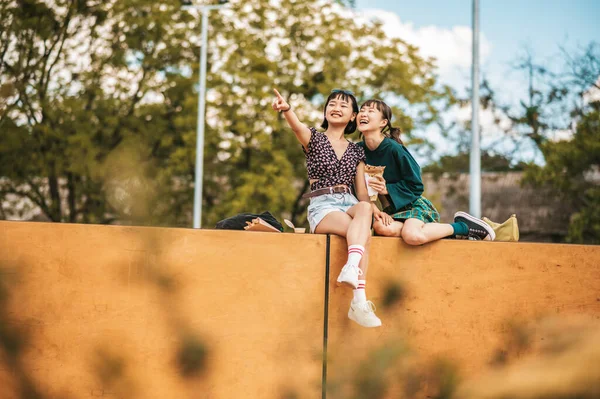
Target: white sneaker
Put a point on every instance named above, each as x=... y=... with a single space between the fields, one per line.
x=349 y=275
x=364 y=314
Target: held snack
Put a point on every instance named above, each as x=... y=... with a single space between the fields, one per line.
x=258 y=224
x=296 y=229
x=372 y=171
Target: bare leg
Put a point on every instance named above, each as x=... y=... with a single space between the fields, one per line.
x=393 y=230
x=364 y=263
x=416 y=232
x=362 y=214
x=359 y=230
x=355 y=225
x=335 y=223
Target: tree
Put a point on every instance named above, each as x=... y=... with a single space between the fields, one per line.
x=572 y=170
x=305 y=49
x=556 y=98
x=99 y=124
x=566 y=100
x=563 y=100
x=460 y=163
x=77 y=75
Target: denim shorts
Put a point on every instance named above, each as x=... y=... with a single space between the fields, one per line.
x=322 y=205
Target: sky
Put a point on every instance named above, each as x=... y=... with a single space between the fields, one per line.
x=442 y=29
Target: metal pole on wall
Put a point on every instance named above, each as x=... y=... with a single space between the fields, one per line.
x=200 y=125
x=199 y=170
x=475 y=159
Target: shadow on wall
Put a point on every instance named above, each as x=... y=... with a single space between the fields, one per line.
x=547 y=358
x=550 y=358
x=111 y=367
x=392 y=369
x=15 y=378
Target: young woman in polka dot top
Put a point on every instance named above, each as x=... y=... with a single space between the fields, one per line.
x=334 y=165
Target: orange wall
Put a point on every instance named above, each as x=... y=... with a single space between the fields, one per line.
x=83 y=292
x=91 y=296
x=460 y=297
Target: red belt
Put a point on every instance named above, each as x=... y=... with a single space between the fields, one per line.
x=339 y=189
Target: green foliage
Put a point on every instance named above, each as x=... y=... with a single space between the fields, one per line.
x=191 y=357
x=99 y=105
x=572 y=170
x=78 y=72
x=455 y=164
x=305 y=50
x=557 y=100
x=349 y=3
x=394 y=293
x=371 y=380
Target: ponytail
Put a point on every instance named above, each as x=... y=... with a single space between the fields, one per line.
x=393 y=133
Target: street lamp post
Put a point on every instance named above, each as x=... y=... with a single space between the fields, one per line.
x=205 y=9
x=475 y=156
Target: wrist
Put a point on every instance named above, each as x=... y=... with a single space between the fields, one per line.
x=286 y=110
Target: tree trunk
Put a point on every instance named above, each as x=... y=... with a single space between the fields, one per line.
x=71 y=197
x=296 y=210
x=55 y=213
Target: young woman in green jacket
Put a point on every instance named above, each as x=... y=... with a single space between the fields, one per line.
x=406 y=213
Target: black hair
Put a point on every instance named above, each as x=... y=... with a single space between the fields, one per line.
x=388 y=130
x=348 y=97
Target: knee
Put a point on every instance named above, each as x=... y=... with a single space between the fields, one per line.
x=413 y=237
x=382 y=229
x=364 y=207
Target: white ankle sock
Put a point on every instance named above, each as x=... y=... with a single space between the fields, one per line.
x=359 y=293
x=355 y=253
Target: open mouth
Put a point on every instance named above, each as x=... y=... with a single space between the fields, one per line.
x=364 y=122
x=335 y=114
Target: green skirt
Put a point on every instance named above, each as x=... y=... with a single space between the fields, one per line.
x=421 y=209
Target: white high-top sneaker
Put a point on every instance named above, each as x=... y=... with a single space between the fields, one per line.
x=364 y=314
x=349 y=275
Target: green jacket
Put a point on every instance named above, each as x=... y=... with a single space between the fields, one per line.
x=402 y=173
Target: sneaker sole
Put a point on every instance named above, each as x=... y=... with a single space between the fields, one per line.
x=339 y=283
x=354 y=320
x=491 y=234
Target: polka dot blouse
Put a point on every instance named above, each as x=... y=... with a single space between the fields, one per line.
x=323 y=165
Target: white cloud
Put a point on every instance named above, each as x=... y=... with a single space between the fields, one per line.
x=592 y=94
x=452 y=48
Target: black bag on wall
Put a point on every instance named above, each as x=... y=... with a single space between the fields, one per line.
x=238 y=222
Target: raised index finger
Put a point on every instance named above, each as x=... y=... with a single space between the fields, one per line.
x=278 y=95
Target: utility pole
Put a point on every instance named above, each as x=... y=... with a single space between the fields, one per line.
x=475 y=158
x=205 y=9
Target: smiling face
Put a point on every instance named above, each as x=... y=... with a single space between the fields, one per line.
x=370 y=118
x=340 y=110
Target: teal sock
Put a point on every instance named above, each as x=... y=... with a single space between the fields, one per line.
x=460 y=228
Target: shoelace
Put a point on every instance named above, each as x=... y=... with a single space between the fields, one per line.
x=360 y=272
x=477 y=231
x=368 y=307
